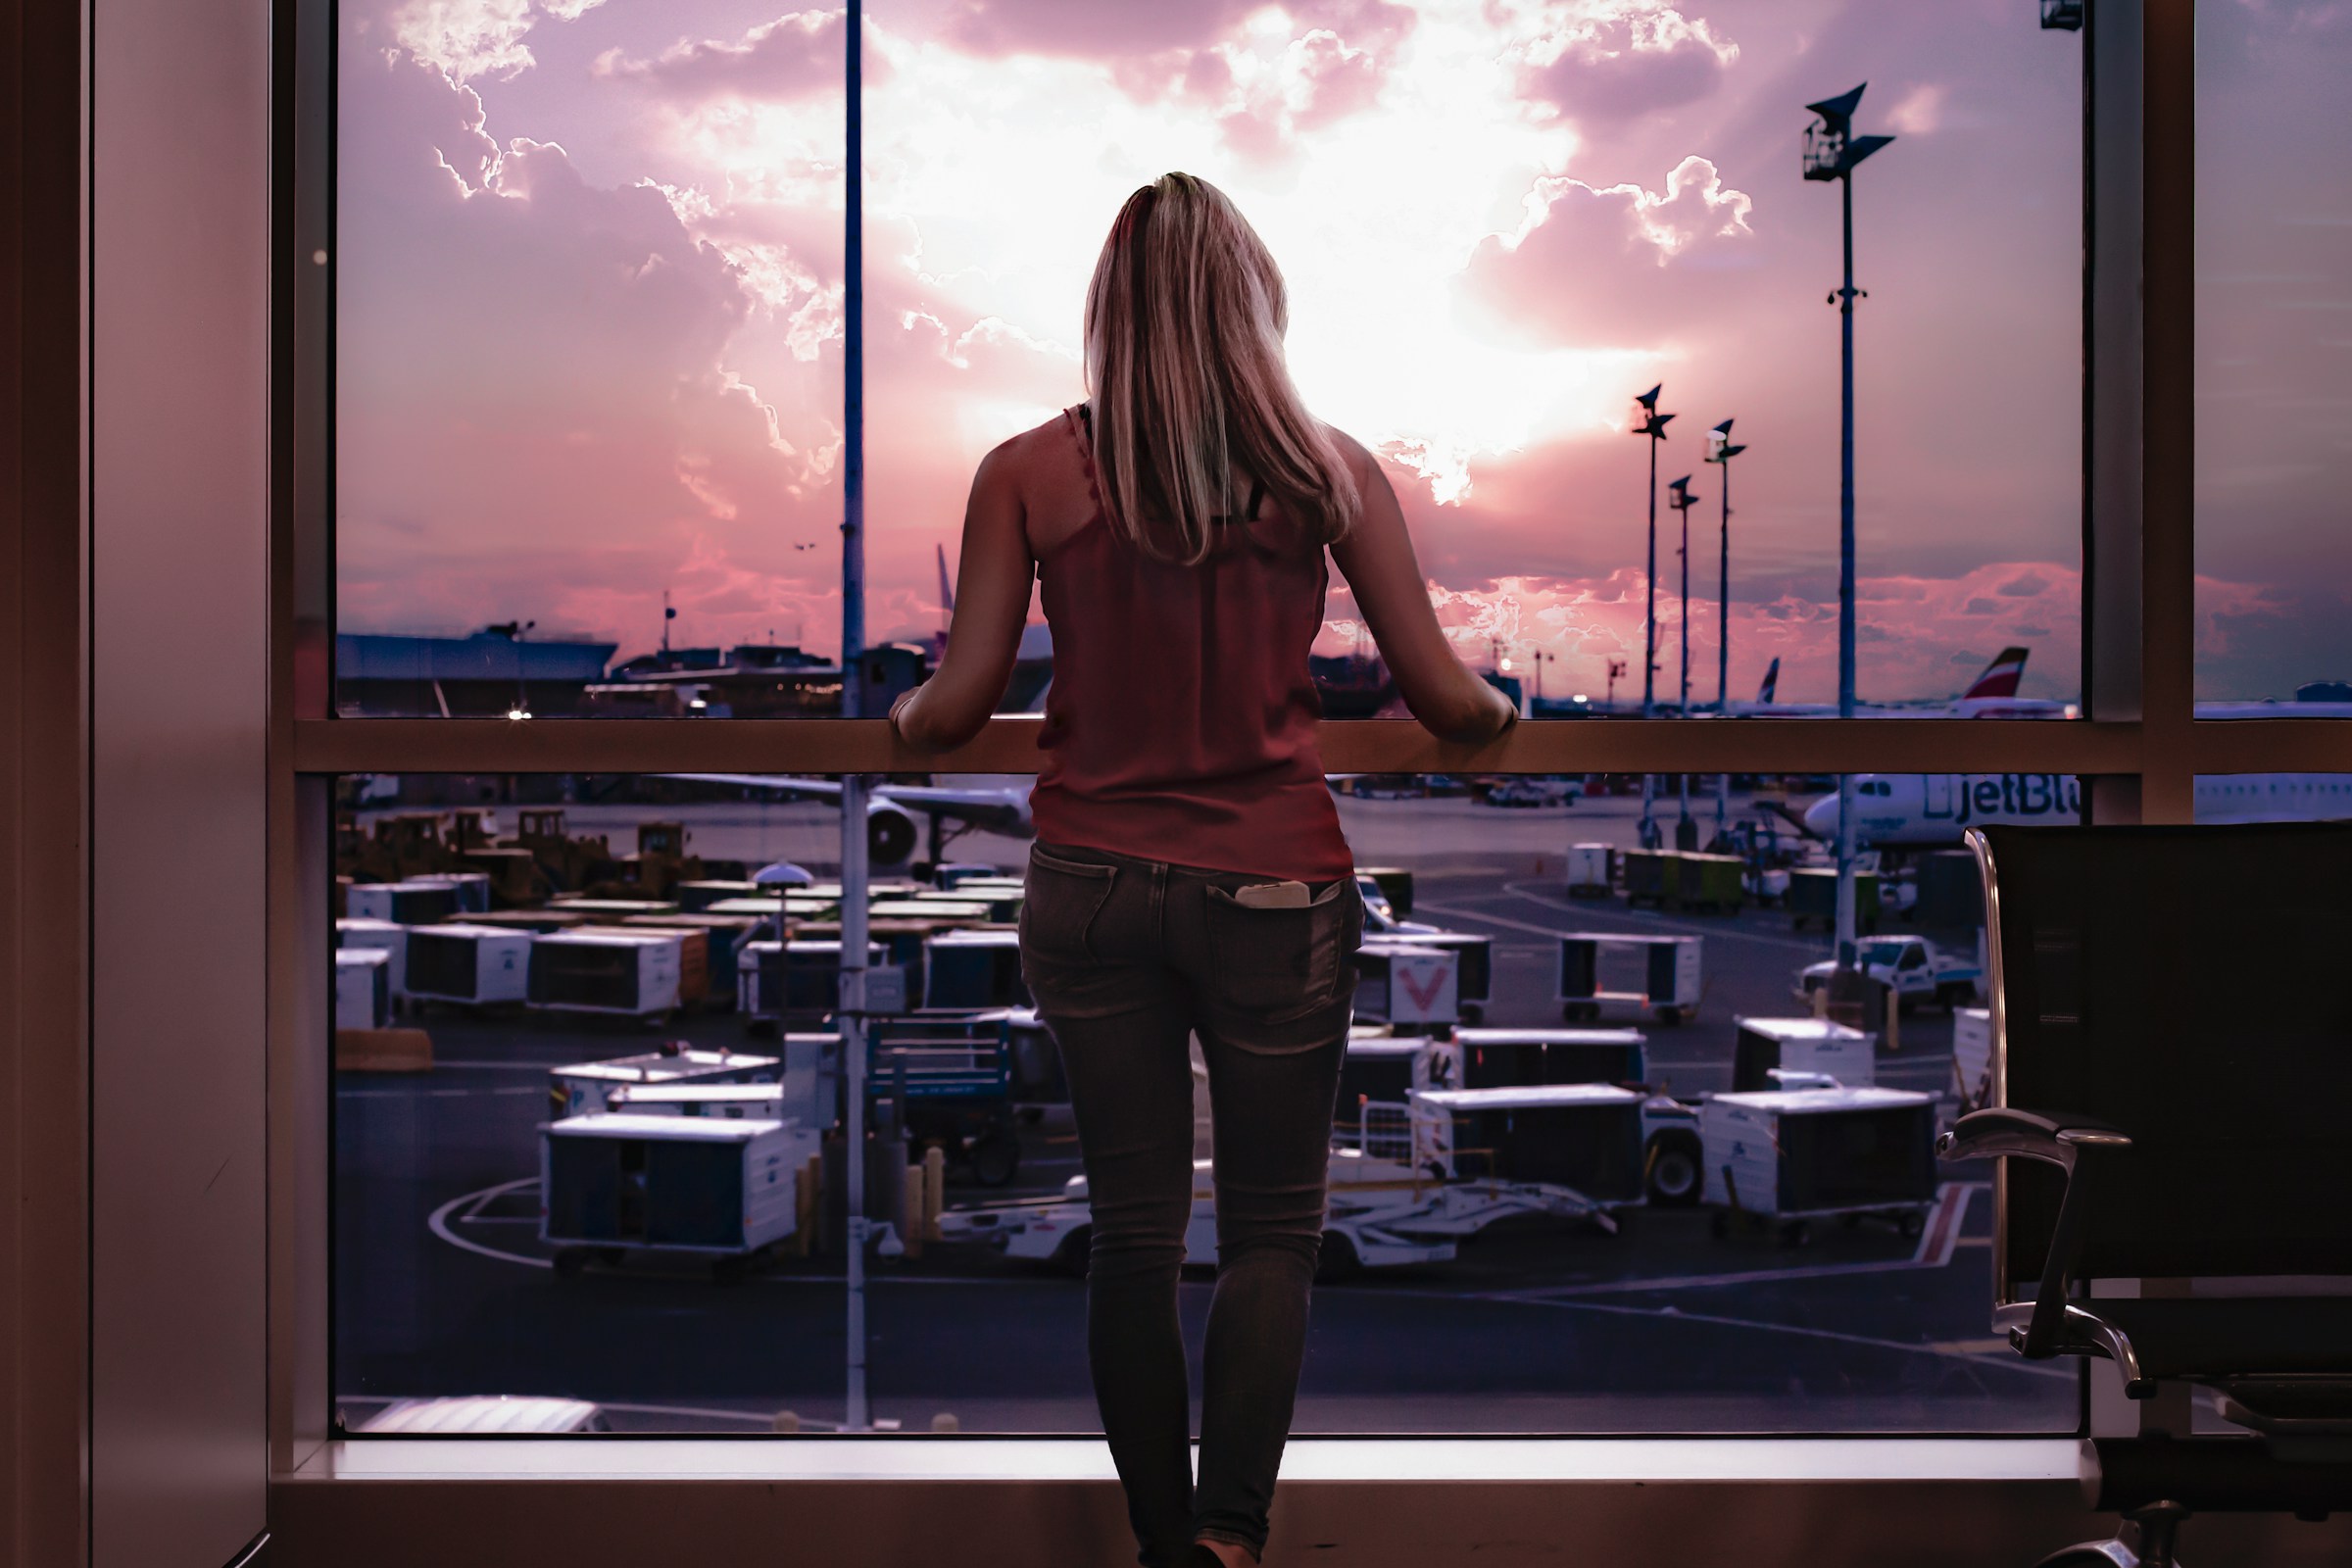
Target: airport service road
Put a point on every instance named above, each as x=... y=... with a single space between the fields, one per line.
x=441 y=1288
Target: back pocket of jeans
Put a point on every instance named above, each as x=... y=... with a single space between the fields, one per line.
x=1060 y=905
x=1278 y=963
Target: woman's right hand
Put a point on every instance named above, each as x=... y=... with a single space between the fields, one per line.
x=1377 y=557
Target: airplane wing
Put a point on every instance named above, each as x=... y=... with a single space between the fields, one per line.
x=1002 y=807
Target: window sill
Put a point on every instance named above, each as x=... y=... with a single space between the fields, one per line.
x=921 y=1458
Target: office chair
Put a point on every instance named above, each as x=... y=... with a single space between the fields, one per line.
x=2172 y=1081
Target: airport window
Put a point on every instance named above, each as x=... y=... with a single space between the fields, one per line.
x=591 y=1090
x=589 y=354
x=2274 y=360
x=587 y=450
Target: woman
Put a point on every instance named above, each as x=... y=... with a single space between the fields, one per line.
x=1189 y=876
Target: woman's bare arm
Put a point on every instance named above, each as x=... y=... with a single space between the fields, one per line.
x=1377 y=556
x=992 y=602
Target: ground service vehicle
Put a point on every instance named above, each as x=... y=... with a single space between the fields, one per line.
x=1609 y=971
x=1913 y=967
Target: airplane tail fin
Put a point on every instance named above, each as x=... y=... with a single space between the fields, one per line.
x=1771 y=682
x=947 y=589
x=2001 y=676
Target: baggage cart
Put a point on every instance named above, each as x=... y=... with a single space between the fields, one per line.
x=1592 y=870
x=1708 y=884
x=632 y=974
x=1604 y=972
x=1407 y=985
x=385 y=936
x=1504 y=1058
x=1647 y=879
x=1801 y=1045
x=616 y=1183
x=475 y=965
x=1396 y=885
x=974 y=969
x=1812 y=898
x=1586 y=1137
x=402 y=903
x=1789 y=1157
x=588 y=1086
x=1474 y=976
x=720 y=1101
x=362 y=988
x=798 y=980
x=1971 y=1057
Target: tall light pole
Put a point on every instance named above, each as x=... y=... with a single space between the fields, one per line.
x=1652 y=425
x=1721 y=448
x=1831 y=152
x=852 y=1003
x=1685 y=834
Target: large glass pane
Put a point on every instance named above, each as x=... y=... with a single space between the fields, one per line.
x=2274 y=359
x=1576 y=1258
x=588 y=373
x=1500 y=223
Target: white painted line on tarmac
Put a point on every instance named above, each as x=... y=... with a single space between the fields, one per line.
x=1666 y=922
x=439 y=1224
x=1944 y=1350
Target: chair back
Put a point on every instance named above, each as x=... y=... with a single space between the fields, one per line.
x=2191 y=986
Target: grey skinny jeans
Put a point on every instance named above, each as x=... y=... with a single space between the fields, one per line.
x=1128 y=958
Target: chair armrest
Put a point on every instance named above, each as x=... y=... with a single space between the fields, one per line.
x=2058 y=1139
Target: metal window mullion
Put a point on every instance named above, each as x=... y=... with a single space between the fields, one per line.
x=2167 y=182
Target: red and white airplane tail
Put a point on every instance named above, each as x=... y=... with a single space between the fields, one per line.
x=2000 y=677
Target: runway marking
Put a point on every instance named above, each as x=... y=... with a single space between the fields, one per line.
x=1639 y=916
x=1938 y=1242
x=438 y=1223
x=1800 y=1330
x=437 y=1094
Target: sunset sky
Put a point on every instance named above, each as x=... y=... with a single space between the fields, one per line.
x=589 y=305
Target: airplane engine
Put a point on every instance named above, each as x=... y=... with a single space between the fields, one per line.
x=891 y=835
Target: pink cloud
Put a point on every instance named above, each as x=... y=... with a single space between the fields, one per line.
x=1627 y=61
x=796 y=54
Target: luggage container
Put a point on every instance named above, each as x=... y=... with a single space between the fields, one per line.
x=1474 y=976
x=1503 y=1059
x=720 y=944
x=612 y=912
x=720 y=1101
x=1646 y=878
x=973 y=969
x=402 y=903
x=1801 y=1045
x=362 y=988
x=949 y=1074
x=1407 y=985
x=477 y=964
x=1608 y=972
x=696 y=898
x=472 y=888
x=943 y=912
x=953 y=875
x=1379 y=1069
x=1971 y=1057
x=1711 y=884
x=588 y=1086
x=1002 y=903
x=1812 y=898
x=1586 y=1137
x=1038 y=1077
x=613 y=1183
x=538 y=922
x=383 y=936
x=1787 y=1156
x=1592 y=870
x=631 y=973
x=796 y=979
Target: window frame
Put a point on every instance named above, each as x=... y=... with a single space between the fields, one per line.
x=2139 y=751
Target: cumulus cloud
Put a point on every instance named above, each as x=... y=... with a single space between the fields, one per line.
x=1614 y=62
x=799 y=53
x=1607 y=266
x=469 y=39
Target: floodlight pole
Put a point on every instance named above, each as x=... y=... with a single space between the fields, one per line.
x=1653 y=426
x=1831 y=151
x=1725 y=451
x=1682 y=500
x=851 y=999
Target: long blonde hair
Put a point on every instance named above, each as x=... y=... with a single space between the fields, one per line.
x=1184 y=364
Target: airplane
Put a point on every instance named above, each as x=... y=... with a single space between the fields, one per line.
x=995 y=802
x=1991 y=695
x=1930 y=810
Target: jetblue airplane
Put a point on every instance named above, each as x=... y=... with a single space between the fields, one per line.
x=1930 y=810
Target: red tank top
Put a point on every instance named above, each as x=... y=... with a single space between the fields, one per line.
x=1181 y=722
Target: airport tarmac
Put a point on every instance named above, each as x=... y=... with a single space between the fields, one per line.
x=441 y=1287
